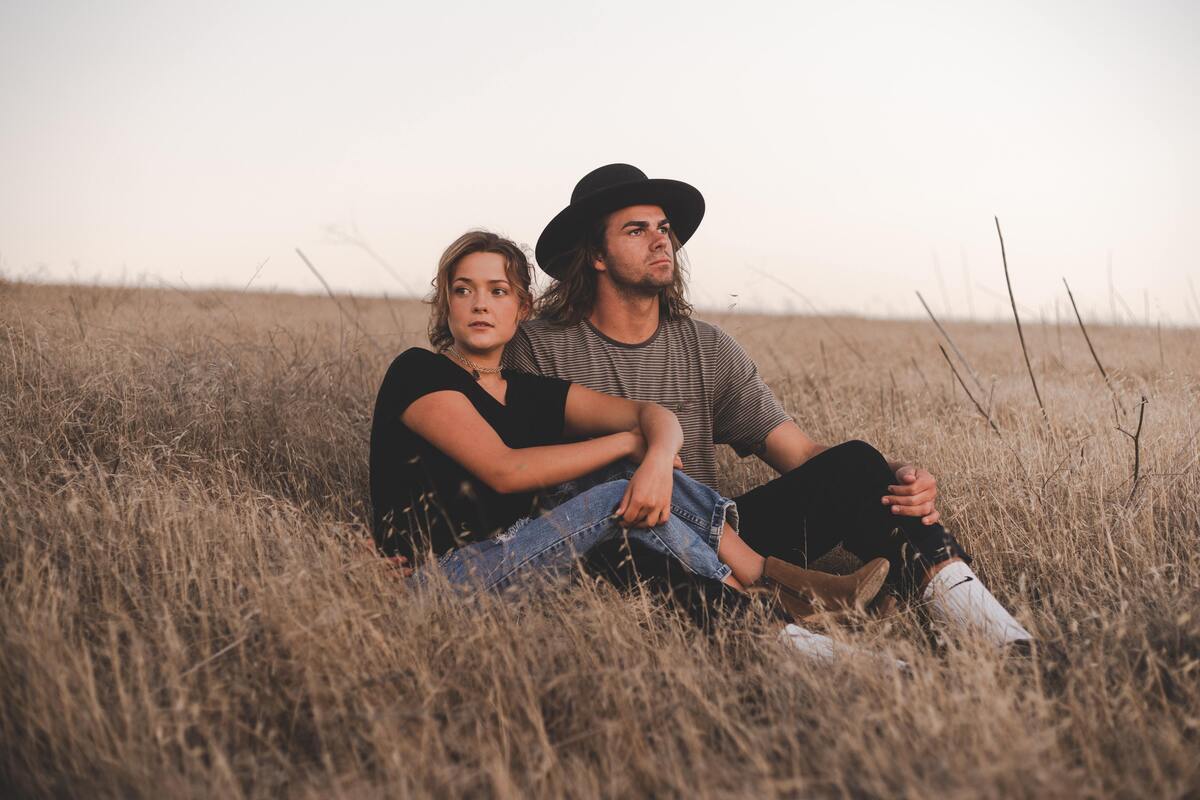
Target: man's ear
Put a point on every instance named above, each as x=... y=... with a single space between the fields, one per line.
x=598 y=262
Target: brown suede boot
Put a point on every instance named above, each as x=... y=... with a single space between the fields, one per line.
x=806 y=593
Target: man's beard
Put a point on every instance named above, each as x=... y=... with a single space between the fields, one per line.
x=646 y=285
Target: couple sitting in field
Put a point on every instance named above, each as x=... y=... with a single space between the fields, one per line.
x=544 y=432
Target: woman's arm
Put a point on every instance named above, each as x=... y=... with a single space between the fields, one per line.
x=592 y=413
x=647 y=500
x=449 y=422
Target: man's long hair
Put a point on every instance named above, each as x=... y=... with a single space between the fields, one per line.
x=571 y=298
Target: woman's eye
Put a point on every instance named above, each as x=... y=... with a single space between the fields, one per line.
x=461 y=290
x=499 y=292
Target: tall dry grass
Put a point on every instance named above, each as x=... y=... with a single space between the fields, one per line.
x=186 y=607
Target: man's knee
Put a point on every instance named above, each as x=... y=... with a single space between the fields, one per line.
x=856 y=459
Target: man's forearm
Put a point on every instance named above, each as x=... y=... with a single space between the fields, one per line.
x=661 y=429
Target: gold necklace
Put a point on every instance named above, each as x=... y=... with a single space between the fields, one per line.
x=475 y=368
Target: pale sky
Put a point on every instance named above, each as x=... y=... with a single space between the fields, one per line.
x=853 y=151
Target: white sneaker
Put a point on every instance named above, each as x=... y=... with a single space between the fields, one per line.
x=820 y=647
x=958 y=600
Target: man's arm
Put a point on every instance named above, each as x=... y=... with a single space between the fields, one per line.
x=787 y=447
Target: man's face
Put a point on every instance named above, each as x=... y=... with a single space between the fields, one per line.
x=638 y=254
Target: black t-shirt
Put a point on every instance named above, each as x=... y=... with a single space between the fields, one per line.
x=421 y=498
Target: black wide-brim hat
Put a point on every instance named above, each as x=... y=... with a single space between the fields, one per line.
x=607 y=189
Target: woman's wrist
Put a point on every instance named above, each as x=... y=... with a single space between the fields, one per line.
x=661 y=454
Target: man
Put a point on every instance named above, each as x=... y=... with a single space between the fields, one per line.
x=615 y=319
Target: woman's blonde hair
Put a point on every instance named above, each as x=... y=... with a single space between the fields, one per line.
x=516 y=270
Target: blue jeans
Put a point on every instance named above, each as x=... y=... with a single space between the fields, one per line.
x=549 y=544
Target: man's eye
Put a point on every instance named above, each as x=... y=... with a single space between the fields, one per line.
x=636 y=232
x=664 y=228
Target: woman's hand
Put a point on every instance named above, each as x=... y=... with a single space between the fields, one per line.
x=400 y=565
x=647 y=500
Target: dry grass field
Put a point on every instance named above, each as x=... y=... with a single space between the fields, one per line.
x=187 y=608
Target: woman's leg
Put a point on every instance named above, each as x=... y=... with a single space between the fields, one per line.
x=551 y=543
x=746 y=564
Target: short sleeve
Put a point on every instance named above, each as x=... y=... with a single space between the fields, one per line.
x=412 y=375
x=745 y=410
x=518 y=353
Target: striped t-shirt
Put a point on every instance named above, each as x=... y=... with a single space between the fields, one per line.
x=693 y=368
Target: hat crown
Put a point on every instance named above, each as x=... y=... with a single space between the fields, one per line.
x=604 y=177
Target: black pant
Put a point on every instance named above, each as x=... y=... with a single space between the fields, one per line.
x=834 y=498
x=831 y=499
x=708 y=603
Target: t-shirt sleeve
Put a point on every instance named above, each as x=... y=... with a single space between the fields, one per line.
x=745 y=410
x=518 y=353
x=412 y=375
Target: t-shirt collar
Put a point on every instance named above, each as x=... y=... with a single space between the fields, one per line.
x=627 y=345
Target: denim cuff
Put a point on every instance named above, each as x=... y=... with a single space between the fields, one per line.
x=724 y=511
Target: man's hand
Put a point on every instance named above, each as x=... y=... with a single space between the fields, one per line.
x=647 y=500
x=914 y=494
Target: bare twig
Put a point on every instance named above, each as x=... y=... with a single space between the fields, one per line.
x=356 y=239
x=949 y=341
x=820 y=315
x=78 y=317
x=337 y=302
x=917 y=367
x=978 y=407
x=1017 y=317
x=1136 y=436
x=1103 y=373
x=256 y=272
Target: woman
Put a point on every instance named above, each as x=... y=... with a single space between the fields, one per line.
x=462 y=453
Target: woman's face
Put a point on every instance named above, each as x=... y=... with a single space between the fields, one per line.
x=484 y=307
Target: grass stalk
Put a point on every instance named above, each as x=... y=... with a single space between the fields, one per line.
x=1020 y=333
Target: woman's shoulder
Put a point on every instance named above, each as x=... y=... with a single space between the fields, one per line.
x=419 y=368
x=419 y=361
x=417 y=356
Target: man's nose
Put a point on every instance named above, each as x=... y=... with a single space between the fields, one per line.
x=662 y=240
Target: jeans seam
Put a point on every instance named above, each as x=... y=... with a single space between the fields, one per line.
x=722 y=569
x=725 y=510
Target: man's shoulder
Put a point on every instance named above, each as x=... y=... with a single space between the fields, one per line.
x=710 y=335
x=543 y=330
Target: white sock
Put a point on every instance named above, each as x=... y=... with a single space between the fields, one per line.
x=821 y=648
x=958 y=599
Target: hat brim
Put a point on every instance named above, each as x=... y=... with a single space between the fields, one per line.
x=683 y=204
